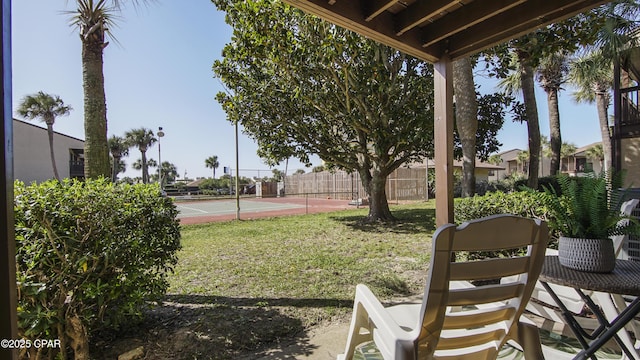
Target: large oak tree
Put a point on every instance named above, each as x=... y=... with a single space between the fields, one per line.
x=301 y=86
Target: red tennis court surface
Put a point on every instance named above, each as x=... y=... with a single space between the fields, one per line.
x=210 y=211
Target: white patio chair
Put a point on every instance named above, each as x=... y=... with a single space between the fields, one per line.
x=429 y=330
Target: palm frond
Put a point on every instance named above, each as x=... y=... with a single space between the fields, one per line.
x=92 y=15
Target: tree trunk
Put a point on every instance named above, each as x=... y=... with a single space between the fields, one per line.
x=96 y=150
x=116 y=163
x=466 y=121
x=602 y=102
x=555 y=138
x=145 y=167
x=374 y=184
x=77 y=332
x=53 y=157
x=533 y=126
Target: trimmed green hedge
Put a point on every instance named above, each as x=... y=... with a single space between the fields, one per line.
x=522 y=203
x=90 y=255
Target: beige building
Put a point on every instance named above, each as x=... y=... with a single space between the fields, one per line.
x=32 y=159
x=630 y=161
x=580 y=163
x=626 y=124
x=483 y=171
x=576 y=164
x=511 y=165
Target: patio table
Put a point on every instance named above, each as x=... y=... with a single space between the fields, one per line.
x=624 y=280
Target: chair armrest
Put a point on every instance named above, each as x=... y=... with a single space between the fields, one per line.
x=389 y=336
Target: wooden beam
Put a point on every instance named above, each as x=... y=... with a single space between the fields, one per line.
x=629 y=131
x=443 y=140
x=349 y=15
x=464 y=18
x=515 y=22
x=421 y=11
x=377 y=7
x=8 y=292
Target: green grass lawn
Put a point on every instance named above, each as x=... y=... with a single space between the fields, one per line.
x=252 y=284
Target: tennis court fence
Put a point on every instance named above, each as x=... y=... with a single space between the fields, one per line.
x=402 y=184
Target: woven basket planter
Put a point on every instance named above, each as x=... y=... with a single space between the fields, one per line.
x=590 y=255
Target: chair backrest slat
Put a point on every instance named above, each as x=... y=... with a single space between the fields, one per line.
x=489 y=268
x=505 y=232
x=471 y=319
x=475 y=339
x=485 y=294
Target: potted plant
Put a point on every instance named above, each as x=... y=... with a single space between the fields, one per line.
x=586 y=214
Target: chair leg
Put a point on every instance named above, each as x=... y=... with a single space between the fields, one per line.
x=359 y=320
x=610 y=305
x=529 y=339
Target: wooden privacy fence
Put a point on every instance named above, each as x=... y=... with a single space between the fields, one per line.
x=402 y=184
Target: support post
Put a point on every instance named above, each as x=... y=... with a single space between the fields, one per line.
x=8 y=292
x=617 y=117
x=443 y=133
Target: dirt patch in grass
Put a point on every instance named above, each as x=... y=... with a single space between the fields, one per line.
x=200 y=328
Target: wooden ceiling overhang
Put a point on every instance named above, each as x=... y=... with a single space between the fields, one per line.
x=431 y=29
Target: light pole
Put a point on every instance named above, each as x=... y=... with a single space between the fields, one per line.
x=160 y=134
x=237 y=177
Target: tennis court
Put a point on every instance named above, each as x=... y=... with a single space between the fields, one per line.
x=201 y=211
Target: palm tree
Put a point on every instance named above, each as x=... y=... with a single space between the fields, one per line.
x=568 y=149
x=93 y=19
x=47 y=108
x=121 y=167
x=552 y=73
x=495 y=159
x=592 y=75
x=212 y=163
x=142 y=139
x=523 y=80
x=592 y=72
x=522 y=158
x=119 y=147
x=466 y=121
x=169 y=172
x=137 y=165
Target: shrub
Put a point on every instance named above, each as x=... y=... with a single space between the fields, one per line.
x=90 y=255
x=545 y=182
x=522 y=203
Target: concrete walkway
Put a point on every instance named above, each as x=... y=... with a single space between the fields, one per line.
x=323 y=343
x=328 y=342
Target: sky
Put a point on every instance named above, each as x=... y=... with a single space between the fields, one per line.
x=158 y=74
